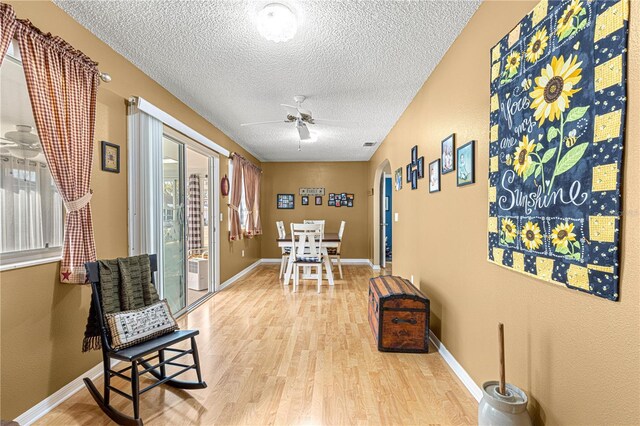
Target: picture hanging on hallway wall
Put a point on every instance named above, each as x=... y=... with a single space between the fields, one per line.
x=398 y=179
x=558 y=102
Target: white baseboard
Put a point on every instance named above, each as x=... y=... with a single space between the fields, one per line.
x=343 y=261
x=458 y=370
x=240 y=274
x=52 y=401
x=374 y=267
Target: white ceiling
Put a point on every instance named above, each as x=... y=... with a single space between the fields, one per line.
x=359 y=61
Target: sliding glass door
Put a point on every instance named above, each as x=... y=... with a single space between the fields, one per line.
x=173 y=225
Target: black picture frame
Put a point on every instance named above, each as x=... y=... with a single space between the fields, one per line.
x=434 y=165
x=408 y=173
x=448 y=158
x=304 y=200
x=318 y=200
x=420 y=167
x=414 y=179
x=468 y=148
x=331 y=202
x=285 y=201
x=107 y=152
x=414 y=155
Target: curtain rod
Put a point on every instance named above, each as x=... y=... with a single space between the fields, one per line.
x=245 y=159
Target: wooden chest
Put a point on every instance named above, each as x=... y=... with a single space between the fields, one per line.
x=398 y=315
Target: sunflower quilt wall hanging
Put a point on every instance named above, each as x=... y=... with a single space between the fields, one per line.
x=558 y=100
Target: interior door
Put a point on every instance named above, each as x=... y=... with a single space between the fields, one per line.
x=383 y=256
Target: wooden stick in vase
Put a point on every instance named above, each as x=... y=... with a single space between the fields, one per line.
x=502 y=389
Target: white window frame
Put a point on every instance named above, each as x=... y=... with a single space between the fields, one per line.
x=26 y=258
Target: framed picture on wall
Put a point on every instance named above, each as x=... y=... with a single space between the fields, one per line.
x=285 y=201
x=110 y=157
x=414 y=155
x=434 y=176
x=331 y=202
x=408 y=173
x=398 y=179
x=304 y=200
x=447 y=156
x=420 y=167
x=466 y=164
x=318 y=200
x=414 y=179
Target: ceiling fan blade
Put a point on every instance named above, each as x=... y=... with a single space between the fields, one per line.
x=303 y=130
x=291 y=110
x=324 y=120
x=262 y=122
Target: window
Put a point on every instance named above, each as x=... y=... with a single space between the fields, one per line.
x=31 y=210
x=244 y=212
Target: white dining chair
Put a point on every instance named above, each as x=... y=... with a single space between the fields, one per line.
x=306 y=249
x=334 y=252
x=314 y=222
x=285 y=250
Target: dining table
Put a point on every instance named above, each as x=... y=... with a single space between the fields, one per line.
x=329 y=240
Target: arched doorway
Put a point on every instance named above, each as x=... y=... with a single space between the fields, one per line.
x=380 y=223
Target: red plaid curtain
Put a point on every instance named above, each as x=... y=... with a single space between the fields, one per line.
x=63 y=84
x=251 y=190
x=8 y=25
x=235 y=227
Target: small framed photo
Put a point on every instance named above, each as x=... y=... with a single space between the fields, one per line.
x=414 y=155
x=338 y=203
x=318 y=200
x=398 y=179
x=447 y=157
x=434 y=176
x=286 y=201
x=349 y=202
x=305 y=200
x=332 y=202
x=408 y=173
x=110 y=157
x=466 y=157
x=414 y=179
x=420 y=167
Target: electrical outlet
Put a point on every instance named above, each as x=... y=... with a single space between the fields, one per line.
x=221 y=217
x=411 y=279
x=243 y=256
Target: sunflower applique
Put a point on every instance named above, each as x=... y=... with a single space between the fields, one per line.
x=570 y=21
x=531 y=236
x=554 y=87
x=513 y=62
x=564 y=240
x=509 y=231
x=521 y=157
x=537 y=45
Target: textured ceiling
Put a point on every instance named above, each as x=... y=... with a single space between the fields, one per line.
x=357 y=61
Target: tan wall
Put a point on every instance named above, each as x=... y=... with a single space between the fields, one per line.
x=288 y=178
x=42 y=321
x=576 y=355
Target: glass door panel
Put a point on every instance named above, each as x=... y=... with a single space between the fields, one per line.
x=199 y=253
x=173 y=229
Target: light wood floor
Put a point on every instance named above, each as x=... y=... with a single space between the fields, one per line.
x=271 y=356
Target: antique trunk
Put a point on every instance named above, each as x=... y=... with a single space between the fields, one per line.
x=398 y=315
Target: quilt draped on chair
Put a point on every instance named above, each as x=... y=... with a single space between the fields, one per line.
x=62 y=84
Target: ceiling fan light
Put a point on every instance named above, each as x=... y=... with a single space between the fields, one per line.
x=276 y=22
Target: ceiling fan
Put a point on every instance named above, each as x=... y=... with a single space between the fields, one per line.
x=21 y=142
x=295 y=114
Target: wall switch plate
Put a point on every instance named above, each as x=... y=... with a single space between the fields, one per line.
x=411 y=279
x=395 y=216
x=243 y=255
x=221 y=217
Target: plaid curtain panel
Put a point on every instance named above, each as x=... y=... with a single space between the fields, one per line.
x=8 y=25
x=235 y=227
x=194 y=213
x=63 y=84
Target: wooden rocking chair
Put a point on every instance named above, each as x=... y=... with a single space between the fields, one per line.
x=140 y=355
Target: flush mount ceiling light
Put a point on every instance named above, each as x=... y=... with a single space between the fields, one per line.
x=276 y=22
